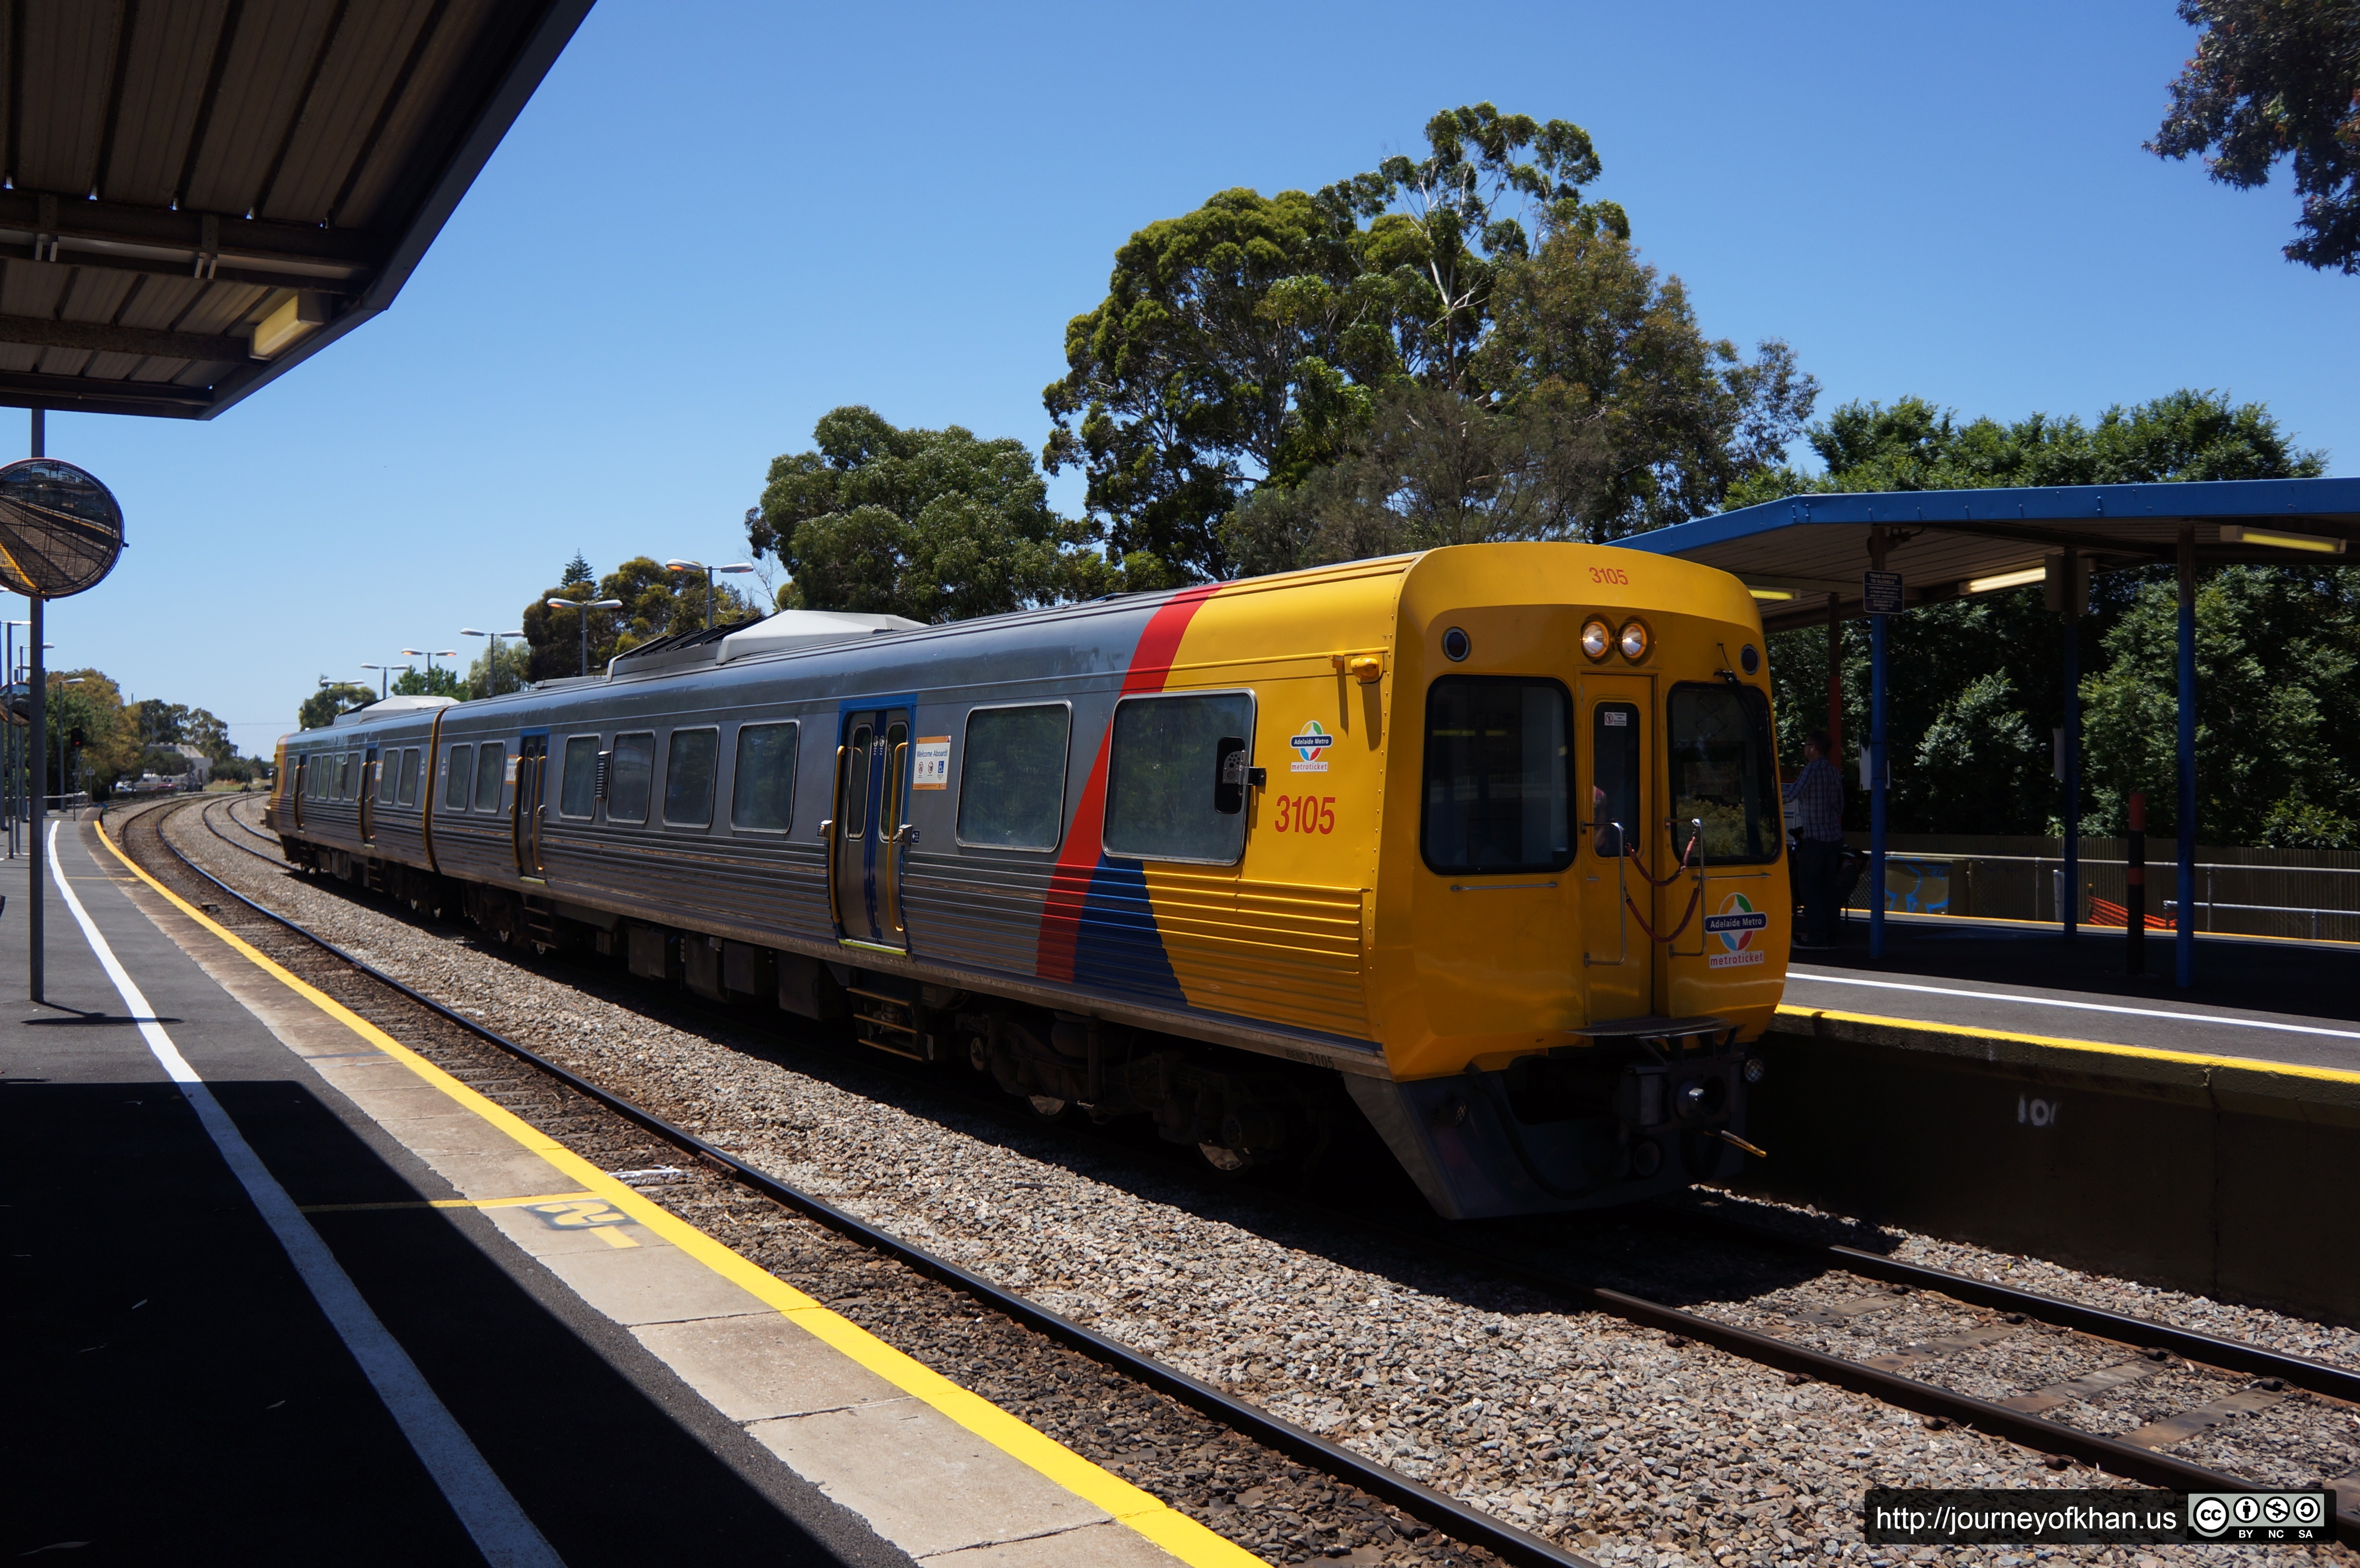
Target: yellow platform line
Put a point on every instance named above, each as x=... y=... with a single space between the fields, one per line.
x=2095 y=1047
x=1171 y=1530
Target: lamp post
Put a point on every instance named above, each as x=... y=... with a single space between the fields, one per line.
x=430 y=655
x=12 y=752
x=384 y=675
x=708 y=570
x=492 y=667
x=582 y=608
x=65 y=774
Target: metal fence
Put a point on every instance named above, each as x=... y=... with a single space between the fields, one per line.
x=2250 y=892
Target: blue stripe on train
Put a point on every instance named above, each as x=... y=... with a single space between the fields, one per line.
x=1117 y=948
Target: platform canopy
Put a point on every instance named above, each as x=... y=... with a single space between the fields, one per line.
x=1797 y=551
x=202 y=193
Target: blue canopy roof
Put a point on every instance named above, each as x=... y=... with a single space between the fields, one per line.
x=1799 y=551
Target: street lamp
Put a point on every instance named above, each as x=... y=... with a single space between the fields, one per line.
x=708 y=570
x=582 y=619
x=430 y=657
x=492 y=667
x=384 y=674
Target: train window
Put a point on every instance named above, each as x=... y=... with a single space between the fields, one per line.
x=1724 y=772
x=1012 y=777
x=1165 y=779
x=1496 y=775
x=855 y=806
x=628 y=776
x=577 y=791
x=762 y=792
x=458 y=765
x=491 y=767
x=689 y=761
x=407 y=794
x=1614 y=757
x=387 y=772
x=346 y=779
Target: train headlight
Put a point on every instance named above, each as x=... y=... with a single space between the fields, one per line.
x=1597 y=638
x=1634 y=640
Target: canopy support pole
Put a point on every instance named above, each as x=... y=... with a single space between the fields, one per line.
x=2184 y=934
x=2070 y=907
x=1876 y=769
x=37 y=680
x=1835 y=682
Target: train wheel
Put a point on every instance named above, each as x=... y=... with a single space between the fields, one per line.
x=1228 y=1162
x=1048 y=1107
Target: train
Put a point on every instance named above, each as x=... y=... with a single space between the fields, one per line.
x=1480 y=847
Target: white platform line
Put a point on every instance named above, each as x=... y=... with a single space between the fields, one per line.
x=2082 y=1007
x=499 y=1528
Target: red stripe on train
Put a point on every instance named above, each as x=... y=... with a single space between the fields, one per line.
x=1069 y=882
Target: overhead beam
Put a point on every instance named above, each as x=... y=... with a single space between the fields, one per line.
x=101 y=337
x=95 y=395
x=255 y=242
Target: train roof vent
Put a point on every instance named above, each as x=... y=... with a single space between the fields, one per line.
x=785 y=630
x=807 y=628
x=393 y=708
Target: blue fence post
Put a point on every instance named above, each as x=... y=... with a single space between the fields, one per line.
x=2184 y=932
x=1876 y=769
x=2070 y=908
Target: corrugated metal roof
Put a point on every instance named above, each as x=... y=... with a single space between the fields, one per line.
x=174 y=172
x=1815 y=545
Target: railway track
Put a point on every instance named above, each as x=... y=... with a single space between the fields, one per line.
x=1434 y=1510
x=1854 y=1288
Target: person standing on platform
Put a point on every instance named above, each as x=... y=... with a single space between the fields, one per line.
x=1819 y=799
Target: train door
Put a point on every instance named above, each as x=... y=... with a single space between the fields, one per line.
x=295 y=779
x=866 y=836
x=1620 y=844
x=369 y=766
x=531 y=763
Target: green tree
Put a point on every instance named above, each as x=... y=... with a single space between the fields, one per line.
x=2272 y=80
x=515 y=669
x=441 y=680
x=2276 y=762
x=1609 y=411
x=320 y=708
x=1972 y=724
x=1244 y=344
x=933 y=525
x=656 y=603
x=86 y=700
x=576 y=570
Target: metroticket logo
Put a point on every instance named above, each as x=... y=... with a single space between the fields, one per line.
x=1739 y=925
x=1310 y=743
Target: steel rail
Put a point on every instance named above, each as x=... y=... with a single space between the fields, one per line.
x=1442 y=1512
x=2103 y=1453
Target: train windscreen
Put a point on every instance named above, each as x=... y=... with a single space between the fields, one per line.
x=1725 y=773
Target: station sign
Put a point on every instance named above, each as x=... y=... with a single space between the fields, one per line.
x=1880 y=593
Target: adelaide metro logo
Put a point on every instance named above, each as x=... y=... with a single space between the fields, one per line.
x=1739 y=925
x=1311 y=743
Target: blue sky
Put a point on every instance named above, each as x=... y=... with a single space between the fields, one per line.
x=715 y=222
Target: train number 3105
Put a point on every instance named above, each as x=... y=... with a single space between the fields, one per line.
x=1613 y=574
x=1306 y=813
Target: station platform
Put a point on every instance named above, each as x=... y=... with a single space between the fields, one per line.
x=2256 y=998
x=279 y=1291
x=2002 y=1083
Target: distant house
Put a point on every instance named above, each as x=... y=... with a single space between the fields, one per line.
x=200 y=767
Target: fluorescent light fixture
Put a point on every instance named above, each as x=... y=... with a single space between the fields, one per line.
x=1770 y=593
x=298 y=317
x=2017 y=579
x=2235 y=533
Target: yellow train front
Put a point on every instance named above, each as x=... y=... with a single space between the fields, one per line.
x=1481 y=845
